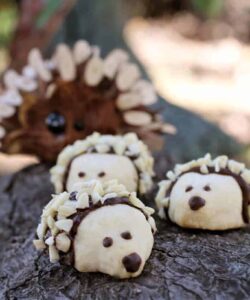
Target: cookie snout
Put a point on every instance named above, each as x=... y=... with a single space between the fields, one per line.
x=132 y=262
x=196 y=203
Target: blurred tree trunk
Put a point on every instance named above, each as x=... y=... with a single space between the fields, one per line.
x=101 y=23
x=36 y=27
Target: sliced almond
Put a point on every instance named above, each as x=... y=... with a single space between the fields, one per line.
x=113 y=61
x=204 y=169
x=60 y=217
x=161 y=213
x=135 y=201
x=140 y=163
x=133 y=149
x=65 y=63
x=29 y=72
x=168 y=128
x=119 y=188
x=63 y=242
x=6 y=111
x=146 y=92
x=11 y=97
x=41 y=229
x=119 y=147
x=164 y=185
x=137 y=118
x=2 y=132
x=154 y=126
x=235 y=166
x=36 y=61
x=64 y=225
x=50 y=90
x=95 y=197
x=39 y=244
x=128 y=100
x=54 y=231
x=109 y=195
x=49 y=241
x=102 y=148
x=83 y=201
x=220 y=162
x=66 y=210
x=165 y=201
x=53 y=254
x=50 y=64
x=171 y=175
x=246 y=176
x=26 y=84
x=81 y=51
x=59 y=200
x=10 y=79
x=93 y=73
x=127 y=76
x=51 y=222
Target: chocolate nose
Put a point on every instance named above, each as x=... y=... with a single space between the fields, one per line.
x=196 y=203
x=132 y=262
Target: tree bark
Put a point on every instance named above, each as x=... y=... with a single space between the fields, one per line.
x=184 y=264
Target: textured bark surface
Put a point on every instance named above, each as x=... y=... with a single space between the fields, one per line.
x=183 y=265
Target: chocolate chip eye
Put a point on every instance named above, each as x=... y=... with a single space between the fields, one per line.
x=79 y=126
x=56 y=123
x=81 y=174
x=107 y=242
x=189 y=188
x=207 y=188
x=126 y=235
x=101 y=174
x=72 y=196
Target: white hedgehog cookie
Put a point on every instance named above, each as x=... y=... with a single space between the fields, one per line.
x=100 y=228
x=206 y=194
x=105 y=157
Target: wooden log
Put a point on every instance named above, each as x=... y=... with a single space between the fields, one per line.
x=184 y=264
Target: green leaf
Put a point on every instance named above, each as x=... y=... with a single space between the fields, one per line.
x=208 y=8
x=8 y=19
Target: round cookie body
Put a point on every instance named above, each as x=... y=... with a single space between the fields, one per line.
x=108 y=242
x=206 y=201
x=102 y=167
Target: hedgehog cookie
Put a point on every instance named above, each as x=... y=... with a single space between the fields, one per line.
x=100 y=228
x=206 y=194
x=54 y=102
x=105 y=157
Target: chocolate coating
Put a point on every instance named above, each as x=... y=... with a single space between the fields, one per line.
x=196 y=203
x=207 y=188
x=189 y=188
x=132 y=262
x=107 y=242
x=72 y=196
x=81 y=174
x=102 y=174
x=126 y=235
